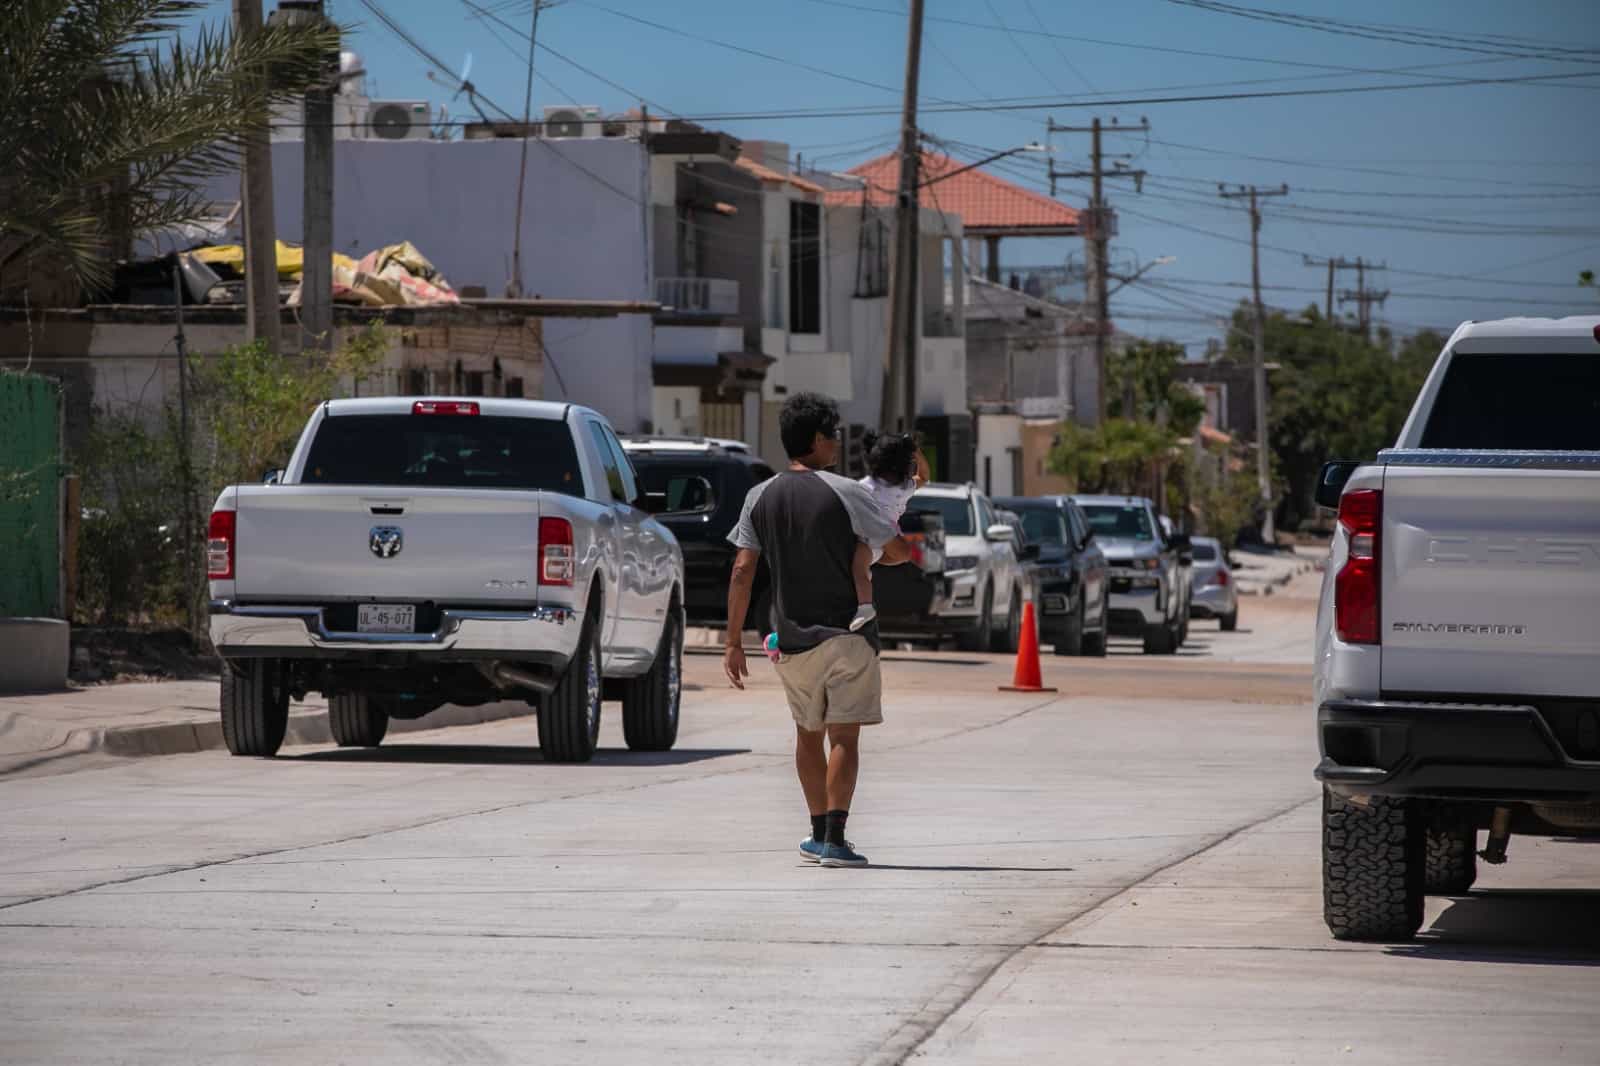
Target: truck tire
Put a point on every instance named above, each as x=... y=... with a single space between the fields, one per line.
x=255 y=706
x=569 y=715
x=1230 y=621
x=650 y=704
x=1373 y=860
x=357 y=720
x=1072 y=637
x=1452 y=857
x=1095 y=643
x=1160 y=639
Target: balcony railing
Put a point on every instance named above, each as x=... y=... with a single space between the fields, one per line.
x=698 y=296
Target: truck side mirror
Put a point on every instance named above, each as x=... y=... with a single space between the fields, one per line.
x=273 y=476
x=1332 y=480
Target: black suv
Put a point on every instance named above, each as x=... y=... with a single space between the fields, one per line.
x=700 y=486
x=1070 y=569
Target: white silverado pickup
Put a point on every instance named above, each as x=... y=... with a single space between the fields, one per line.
x=1457 y=673
x=417 y=552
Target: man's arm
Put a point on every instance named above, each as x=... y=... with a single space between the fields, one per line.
x=895 y=552
x=744 y=579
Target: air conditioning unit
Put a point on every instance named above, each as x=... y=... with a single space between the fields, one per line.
x=399 y=120
x=572 y=120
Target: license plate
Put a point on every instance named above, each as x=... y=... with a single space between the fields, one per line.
x=386 y=618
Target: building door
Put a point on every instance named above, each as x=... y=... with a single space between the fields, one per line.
x=722 y=420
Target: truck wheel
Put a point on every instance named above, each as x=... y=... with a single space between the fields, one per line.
x=1452 y=858
x=1072 y=636
x=357 y=720
x=1095 y=643
x=650 y=703
x=1230 y=621
x=1011 y=635
x=569 y=716
x=1160 y=639
x=1372 y=867
x=979 y=639
x=255 y=706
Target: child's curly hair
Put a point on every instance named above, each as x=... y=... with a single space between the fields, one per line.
x=891 y=457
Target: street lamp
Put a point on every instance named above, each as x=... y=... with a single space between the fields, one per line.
x=1031 y=146
x=1129 y=279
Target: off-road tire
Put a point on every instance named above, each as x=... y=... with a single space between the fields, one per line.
x=1229 y=621
x=569 y=715
x=1095 y=643
x=1072 y=636
x=650 y=704
x=255 y=706
x=1452 y=857
x=1373 y=860
x=357 y=720
x=981 y=638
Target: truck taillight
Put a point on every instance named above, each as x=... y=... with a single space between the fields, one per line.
x=444 y=407
x=557 y=564
x=1222 y=577
x=1355 y=587
x=219 y=545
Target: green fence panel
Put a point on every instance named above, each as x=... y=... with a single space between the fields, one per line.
x=30 y=503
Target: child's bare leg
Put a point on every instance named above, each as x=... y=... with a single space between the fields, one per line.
x=861 y=573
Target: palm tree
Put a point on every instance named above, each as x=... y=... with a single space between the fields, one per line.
x=110 y=123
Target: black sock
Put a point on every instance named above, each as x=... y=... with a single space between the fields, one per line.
x=835 y=828
x=819 y=827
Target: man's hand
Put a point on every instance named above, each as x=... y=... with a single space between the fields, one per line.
x=733 y=665
x=895 y=552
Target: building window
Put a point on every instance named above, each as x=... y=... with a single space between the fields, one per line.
x=805 y=268
x=872 y=259
x=474 y=383
x=416 y=382
x=514 y=388
x=774 y=287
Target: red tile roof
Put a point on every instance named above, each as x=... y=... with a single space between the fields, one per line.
x=983 y=201
x=766 y=173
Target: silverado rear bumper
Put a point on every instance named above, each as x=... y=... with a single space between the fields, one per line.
x=546 y=635
x=1504 y=752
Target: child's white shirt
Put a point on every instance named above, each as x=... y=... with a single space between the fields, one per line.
x=890 y=501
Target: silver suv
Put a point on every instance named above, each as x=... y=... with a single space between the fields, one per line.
x=984 y=582
x=1149 y=590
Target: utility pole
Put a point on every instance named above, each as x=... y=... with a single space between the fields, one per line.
x=260 y=231
x=1364 y=297
x=316 y=279
x=191 y=519
x=1263 y=466
x=900 y=386
x=1099 y=226
x=514 y=285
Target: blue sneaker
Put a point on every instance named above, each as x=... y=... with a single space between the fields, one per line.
x=841 y=855
x=811 y=850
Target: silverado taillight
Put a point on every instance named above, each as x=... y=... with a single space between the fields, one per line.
x=219 y=545
x=444 y=407
x=557 y=564
x=1355 y=587
x=1222 y=577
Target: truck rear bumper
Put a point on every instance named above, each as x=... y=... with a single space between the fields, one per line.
x=1506 y=752
x=543 y=634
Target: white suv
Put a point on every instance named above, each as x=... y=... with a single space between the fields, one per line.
x=984 y=584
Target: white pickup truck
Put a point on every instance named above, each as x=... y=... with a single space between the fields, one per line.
x=418 y=552
x=1457 y=673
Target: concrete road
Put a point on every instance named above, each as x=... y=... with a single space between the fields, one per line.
x=1121 y=871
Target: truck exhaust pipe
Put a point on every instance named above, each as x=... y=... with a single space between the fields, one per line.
x=1494 y=851
x=506 y=676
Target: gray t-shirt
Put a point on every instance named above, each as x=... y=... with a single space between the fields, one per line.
x=807 y=525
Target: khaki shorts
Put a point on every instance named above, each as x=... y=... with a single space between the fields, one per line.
x=835 y=683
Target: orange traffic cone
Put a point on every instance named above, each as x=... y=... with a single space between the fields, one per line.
x=1027 y=677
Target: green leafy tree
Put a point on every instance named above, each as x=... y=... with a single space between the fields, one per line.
x=112 y=124
x=1151 y=367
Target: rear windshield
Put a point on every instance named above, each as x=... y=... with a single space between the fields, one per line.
x=1044 y=527
x=1119 y=521
x=1517 y=402
x=1204 y=553
x=444 y=451
x=955 y=510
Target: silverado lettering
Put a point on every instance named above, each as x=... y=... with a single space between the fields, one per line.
x=1482 y=629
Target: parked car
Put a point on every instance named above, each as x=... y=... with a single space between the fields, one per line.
x=1074 y=590
x=424 y=551
x=983 y=583
x=1215 y=595
x=1456 y=640
x=1147 y=586
x=711 y=480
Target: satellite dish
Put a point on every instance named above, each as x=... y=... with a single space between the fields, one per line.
x=563 y=122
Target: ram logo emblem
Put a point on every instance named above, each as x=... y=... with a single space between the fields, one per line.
x=386 y=541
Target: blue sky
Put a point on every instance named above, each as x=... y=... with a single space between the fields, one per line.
x=1510 y=170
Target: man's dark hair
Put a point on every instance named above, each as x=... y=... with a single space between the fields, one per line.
x=804 y=415
x=891 y=457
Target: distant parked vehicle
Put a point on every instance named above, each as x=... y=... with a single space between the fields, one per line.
x=1074 y=598
x=1148 y=591
x=710 y=479
x=982 y=605
x=1215 y=594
